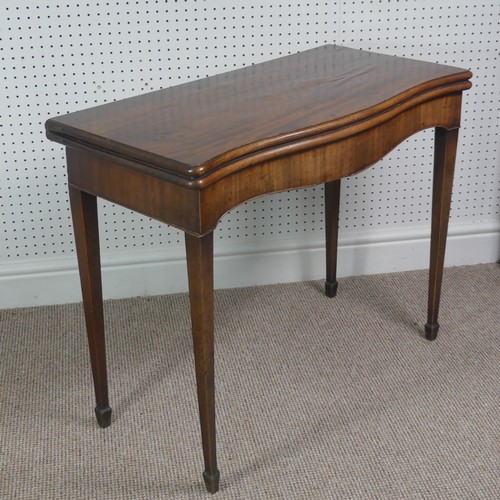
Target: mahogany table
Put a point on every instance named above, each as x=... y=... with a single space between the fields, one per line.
x=187 y=154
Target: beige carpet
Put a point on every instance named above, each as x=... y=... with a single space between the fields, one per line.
x=317 y=398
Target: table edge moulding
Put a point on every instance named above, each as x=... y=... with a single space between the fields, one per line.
x=187 y=154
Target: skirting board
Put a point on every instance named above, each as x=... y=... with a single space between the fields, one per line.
x=55 y=281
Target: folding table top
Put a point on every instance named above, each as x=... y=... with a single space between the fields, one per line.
x=193 y=128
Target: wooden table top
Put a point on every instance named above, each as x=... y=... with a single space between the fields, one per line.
x=194 y=128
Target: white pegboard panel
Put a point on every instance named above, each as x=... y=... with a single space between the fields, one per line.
x=58 y=57
x=455 y=32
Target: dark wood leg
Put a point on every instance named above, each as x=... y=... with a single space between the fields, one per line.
x=199 y=252
x=444 y=165
x=332 y=200
x=84 y=213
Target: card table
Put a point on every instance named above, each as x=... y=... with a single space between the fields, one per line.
x=187 y=154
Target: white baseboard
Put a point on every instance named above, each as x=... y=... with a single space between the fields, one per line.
x=55 y=281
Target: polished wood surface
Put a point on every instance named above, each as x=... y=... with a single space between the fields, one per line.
x=199 y=253
x=444 y=166
x=84 y=211
x=188 y=154
x=197 y=127
x=332 y=205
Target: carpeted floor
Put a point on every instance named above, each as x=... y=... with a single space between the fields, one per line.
x=317 y=398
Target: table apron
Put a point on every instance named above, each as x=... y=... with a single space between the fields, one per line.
x=134 y=189
x=341 y=158
x=198 y=206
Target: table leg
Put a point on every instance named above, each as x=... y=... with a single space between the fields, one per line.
x=199 y=251
x=444 y=165
x=332 y=201
x=84 y=213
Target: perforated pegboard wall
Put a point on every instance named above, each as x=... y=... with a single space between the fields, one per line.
x=59 y=57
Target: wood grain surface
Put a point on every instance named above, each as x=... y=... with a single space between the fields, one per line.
x=191 y=129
